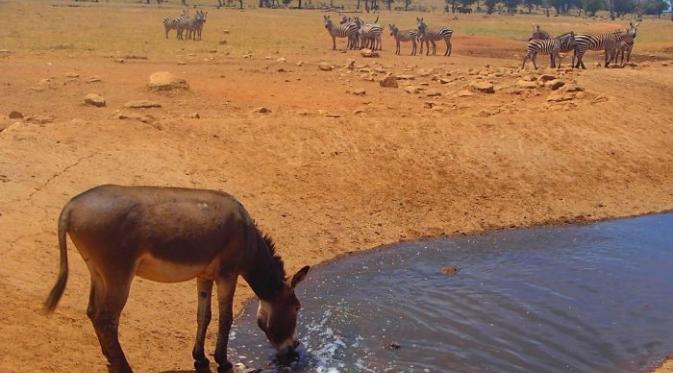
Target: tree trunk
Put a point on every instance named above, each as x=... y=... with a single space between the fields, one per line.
x=611 y=4
x=299 y=4
x=357 y=5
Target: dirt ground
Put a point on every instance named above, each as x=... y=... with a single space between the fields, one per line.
x=325 y=172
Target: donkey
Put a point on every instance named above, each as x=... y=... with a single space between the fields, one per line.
x=172 y=235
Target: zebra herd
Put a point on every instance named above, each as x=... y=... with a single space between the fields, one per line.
x=616 y=44
x=360 y=34
x=192 y=25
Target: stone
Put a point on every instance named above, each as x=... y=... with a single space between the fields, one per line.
x=141 y=118
x=444 y=81
x=554 y=84
x=195 y=115
x=165 y=81
x=93 y=79
x=94 y=99
x=300 y=63
x=424 y=72
x=324 y=66
x=281 y=60
x=15 y=115
x=141 y=104
x=433 y=93
x=405 y=77
x=72 y=75
x=368 y=53
x=389 y=82
x=429 y=104
x=359 y=92
x=526 y=84
x=483 y=87
x=350 y=65
x=573 y=88
x=560 y=97
x=262 y=110
x=546 y=77
x=450 y=270
x=411 y=89
x=40 y=119
x=464 y=93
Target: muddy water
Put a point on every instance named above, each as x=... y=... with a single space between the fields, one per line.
x=565 y=299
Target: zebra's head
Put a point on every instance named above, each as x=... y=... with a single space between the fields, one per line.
x=328 y=22
x=344 y=20
x=421 y=25
x=632 y=30
x=567 y=40
x=393 y=29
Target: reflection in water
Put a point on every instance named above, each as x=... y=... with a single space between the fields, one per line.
x=567 y=299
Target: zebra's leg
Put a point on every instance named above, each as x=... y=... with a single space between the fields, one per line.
x=533 y=59
x=448 y=47
x=421 y=41
x=434 y=48
x=333 y=43
x=525 y=58
x=413 y=47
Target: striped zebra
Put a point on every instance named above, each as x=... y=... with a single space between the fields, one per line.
x=370 y=35
x=539 y=34
x=347 y=30
x=404 y=35
x=171 y=23
x=553 y=47
x=624 y=48
x=604 y=42
x=430 y=36
x=354 y=40
x=192 y=25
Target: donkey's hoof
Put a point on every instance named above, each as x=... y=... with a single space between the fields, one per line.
x=225 y=368
x=202 y=365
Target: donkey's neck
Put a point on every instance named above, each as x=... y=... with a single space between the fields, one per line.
x=264 y=272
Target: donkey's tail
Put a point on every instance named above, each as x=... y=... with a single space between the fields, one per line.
x=57 y=291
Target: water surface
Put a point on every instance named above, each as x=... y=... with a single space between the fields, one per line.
x=583 y=298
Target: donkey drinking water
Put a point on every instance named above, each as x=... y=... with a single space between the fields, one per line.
x=171 y=235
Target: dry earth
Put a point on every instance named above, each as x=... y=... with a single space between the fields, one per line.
x=325 y=172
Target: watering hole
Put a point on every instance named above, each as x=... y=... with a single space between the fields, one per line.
x=579 y=298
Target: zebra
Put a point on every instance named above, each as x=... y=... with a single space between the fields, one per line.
x=370 y=35
x=404 y=35
x=193 y=26
x=624 y=48
x=552 y=47
x=171 y=23
x=430 y=36
x=539 y=34
x=584 y=42
x=353 y=40
x=347 y=30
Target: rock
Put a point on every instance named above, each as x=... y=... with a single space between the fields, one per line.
x=141 y=118
x=119 y=60
x=580 y=95
x=405 y=77
x=324 y=66
x=141 y=104
x=429 y=104
x=528 y=78
x=411 y=89
x=554 y=84
x=15 y=115
x=526 y=84
x=484 y=87
x=368 y=53
x=359 y=92
x=450 y=270
x=262 y=110
x=393 y=346
x=444 y=81
x=389 y=82
x=165 y=81
x=358 y=111
x=40 y=119
x=225 y=31
x=424 y=72
x=599 y=98
x=93 y=79
x=300 y=63
x=195 y=115
x=546 y=77
x=598 y=64
x=350 y=65
x=514 y=91
x=94 y=99
x=72 y=75
x=573 y=88
x=281 y=60
x=560 y=96
x=247 y=56
x=464 y=93
x=433 y=93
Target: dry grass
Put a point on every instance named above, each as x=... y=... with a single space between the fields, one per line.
x=118 y=28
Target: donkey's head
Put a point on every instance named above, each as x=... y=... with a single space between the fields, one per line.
x=277 y=317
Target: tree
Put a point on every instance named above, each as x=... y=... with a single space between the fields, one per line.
x=407 y=4
x=622 y=7
x=490 y=5
x=655 y=7
x=465 y=4
x=592 y=6
x=530 y=4
x=511 y=5
x=452 y=3
x=389 y=3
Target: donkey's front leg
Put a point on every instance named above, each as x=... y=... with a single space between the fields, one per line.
x=205 y=290
x=226 y=285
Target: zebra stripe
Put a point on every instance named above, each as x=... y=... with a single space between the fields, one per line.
x=430 y=36
x=346 y=30
x=606 y=42
x=403 y=35
x=552 y=47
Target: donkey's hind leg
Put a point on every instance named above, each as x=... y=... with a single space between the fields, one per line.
x=203 y=315
x=110 y=297
x=226 y=285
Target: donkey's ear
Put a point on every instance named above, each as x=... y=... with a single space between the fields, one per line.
x=299 y=276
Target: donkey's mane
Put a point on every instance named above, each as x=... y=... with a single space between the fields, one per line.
x=271 y=245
